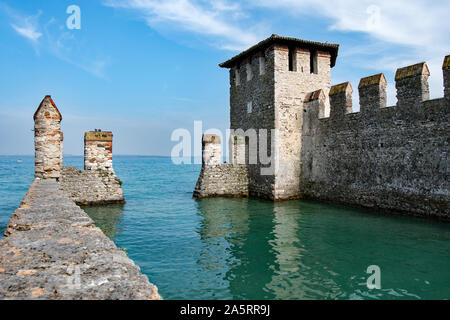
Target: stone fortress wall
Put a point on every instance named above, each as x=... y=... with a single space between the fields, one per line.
x=389 y=158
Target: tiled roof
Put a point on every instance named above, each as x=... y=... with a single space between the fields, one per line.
x=274 y=38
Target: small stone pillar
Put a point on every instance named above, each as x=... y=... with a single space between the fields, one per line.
x=341 y=100
x=372 y=93
x=446 y=69
x=412 y=85
x=211 y=150
x=238 y=149
x=48 y=140
x=98 y=150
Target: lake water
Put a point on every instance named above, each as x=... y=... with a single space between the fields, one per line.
x=249 y=249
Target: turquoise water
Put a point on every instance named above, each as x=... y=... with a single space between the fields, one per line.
x=248 y=249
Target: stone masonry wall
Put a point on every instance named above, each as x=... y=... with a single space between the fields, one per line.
x=222 y=180
x=48 y=140
x=98 y=150
x=291 y=87
x=394 y=159
x=265 y=94
x=95 y=187
x=252 y=107
x=53 y=250
x=217 y=178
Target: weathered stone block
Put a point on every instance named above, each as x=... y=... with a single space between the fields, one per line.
x=341 y=100
x=372 y=93
x=412 y=85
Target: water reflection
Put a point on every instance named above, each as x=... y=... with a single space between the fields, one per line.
x=248 y=262
x=283 y=250
x=107 y=218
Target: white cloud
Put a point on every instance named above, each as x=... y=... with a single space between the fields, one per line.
x=408 y=22
x=409 y=31
x=28 y=32
x=26 y=26
x=217 y=19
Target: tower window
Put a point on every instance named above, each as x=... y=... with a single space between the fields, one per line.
x=313 y=63
x=292 y=59
x=249 y=107
x=237 y=76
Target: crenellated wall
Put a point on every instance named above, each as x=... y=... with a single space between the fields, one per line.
x=391 y=158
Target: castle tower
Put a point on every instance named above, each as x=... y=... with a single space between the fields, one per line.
x=98 y=150
x=269 y=83
x=48 y=140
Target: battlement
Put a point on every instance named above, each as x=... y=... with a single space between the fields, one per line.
x=446 y=68
x=412 y=94
x=341 y=100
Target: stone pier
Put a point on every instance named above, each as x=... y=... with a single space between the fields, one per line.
x=53 y=250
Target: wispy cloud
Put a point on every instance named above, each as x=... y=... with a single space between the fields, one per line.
x=25 y=25
x=407 y=22
x=403 y=31
x=53 y=38
x=218 y=20
x=28 y=31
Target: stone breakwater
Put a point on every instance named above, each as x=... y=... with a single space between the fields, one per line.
x=96 y=187
x=53 y=250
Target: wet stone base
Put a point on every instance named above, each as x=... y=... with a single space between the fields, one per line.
x=53 y=250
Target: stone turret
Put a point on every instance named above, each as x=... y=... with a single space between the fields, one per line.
x=48 y=140
x=98 y=150
x=268 y=83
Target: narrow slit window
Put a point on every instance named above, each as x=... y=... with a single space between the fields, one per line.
x=249 y=72
x=249 y=107
x=237 y=77
x=262 y=65
x=292 y=59
x=313 y=63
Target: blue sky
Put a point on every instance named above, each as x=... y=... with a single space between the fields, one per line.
x=143 y=68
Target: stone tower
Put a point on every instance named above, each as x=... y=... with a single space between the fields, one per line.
x=48 y=140
x=98 y=150
x=269 y=83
